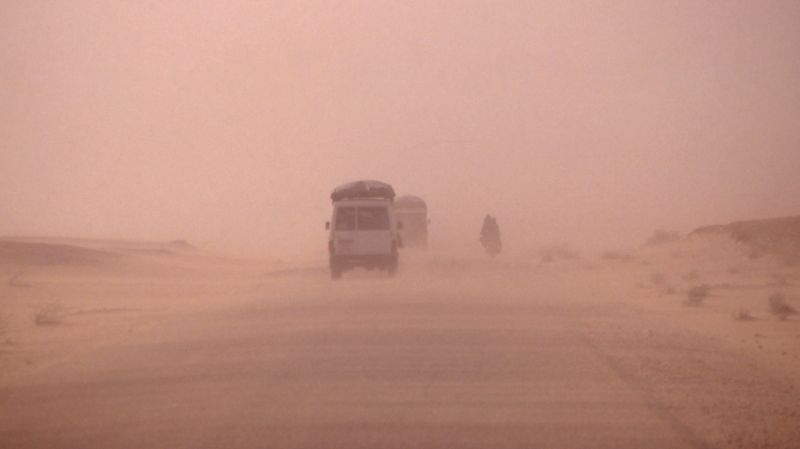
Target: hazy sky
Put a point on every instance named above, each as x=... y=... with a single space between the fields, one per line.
x=230 y=122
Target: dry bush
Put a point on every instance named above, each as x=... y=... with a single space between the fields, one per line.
x=49 y=315
x=754 y=254
x=658 y=279
x=780 y=307
x=696 y=295
x=557 y=252
x=743 y=315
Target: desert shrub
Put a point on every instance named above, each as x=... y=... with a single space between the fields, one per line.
x=49 y=315
x=743 y=315
x=661 y=237
x=779 y=306
x=557 y=252
x=754 y=254
x=696 y=295
x=658 y=279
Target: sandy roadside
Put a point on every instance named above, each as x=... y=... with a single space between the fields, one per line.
x=732 y=381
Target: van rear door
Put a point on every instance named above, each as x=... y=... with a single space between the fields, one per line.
x=344 y=230
x=374 y=230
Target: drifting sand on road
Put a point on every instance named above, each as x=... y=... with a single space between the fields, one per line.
x=715 y=379
x=726 y=360
x=61 y=296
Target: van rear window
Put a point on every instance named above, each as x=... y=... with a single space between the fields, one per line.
x=345 y=219
x=373 y=218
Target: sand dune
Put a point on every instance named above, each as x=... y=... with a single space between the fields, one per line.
x=774 y=236
x=31 y=253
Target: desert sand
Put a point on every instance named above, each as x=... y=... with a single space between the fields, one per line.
x=166 y=175
x=112 y=344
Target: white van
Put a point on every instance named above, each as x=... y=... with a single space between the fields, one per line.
x=362 y=230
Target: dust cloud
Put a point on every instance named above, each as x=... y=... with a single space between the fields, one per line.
x=229 y=124
x=165 y=179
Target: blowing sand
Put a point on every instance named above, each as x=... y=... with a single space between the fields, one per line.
x=129 y=344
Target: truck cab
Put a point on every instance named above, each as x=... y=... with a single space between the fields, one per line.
x=363 y=231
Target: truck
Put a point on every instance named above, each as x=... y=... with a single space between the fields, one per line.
x=412 y=212
x=363 y=231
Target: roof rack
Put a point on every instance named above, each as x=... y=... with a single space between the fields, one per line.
x=363 y=189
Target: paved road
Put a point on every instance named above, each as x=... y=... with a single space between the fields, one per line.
x=365 y=363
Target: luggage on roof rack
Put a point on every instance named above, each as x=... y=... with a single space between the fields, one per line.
x=409 y=202
x=363 y=189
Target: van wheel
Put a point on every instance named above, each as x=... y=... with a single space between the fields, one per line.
x=391 y=268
